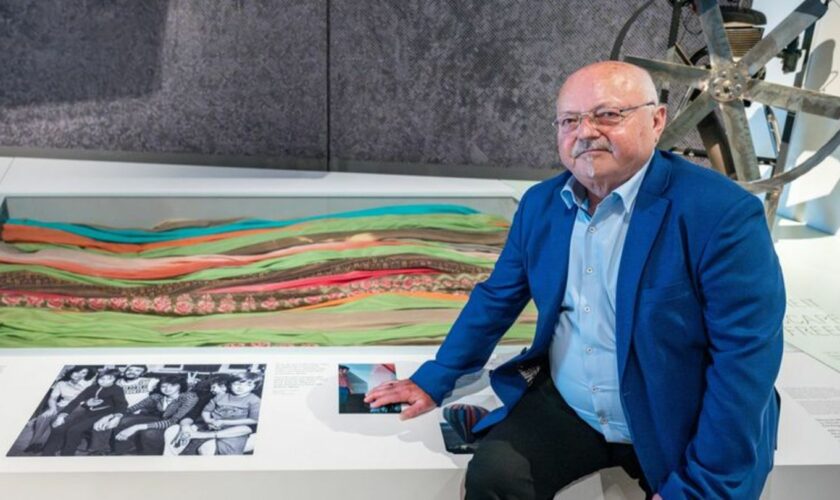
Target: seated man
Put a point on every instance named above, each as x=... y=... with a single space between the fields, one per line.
x=99 y=399
x=660 y=303
x=141 y=426
x=135 y=384
x=229 y=419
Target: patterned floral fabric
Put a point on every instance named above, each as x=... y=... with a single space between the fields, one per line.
x=187 y=304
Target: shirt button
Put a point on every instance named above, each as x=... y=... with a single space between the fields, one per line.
x=603 y=420
x=588 y=270
x=587 y=309
x=595 y=389
x=588 y=350
x=591 y=229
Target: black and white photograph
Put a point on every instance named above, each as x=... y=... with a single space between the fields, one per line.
x=356 y=379
x=146 y=409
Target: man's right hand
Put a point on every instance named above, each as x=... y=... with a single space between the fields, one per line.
x=59 y=420
x=107 y=422
x=401 y=391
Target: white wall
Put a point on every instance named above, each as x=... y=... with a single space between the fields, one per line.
x=814 y=198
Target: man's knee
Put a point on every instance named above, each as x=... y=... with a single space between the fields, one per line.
x=498 y=471
x=75 y=431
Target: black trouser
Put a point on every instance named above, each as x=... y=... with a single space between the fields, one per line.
x=541 y=447
x=68 y=436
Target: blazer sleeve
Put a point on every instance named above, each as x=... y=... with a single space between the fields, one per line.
x=492 y=308
x=743 y=296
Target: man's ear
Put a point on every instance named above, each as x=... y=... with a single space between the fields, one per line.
x=660 y=118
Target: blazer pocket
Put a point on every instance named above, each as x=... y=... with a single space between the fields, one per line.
x=667 y=292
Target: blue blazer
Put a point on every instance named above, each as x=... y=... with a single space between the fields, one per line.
x=699 y=308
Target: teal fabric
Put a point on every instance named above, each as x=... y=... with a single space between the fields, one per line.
x=115 y=235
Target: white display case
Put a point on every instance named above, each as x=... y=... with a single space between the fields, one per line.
x=304 y=448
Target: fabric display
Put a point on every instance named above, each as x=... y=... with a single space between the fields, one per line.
x=387 y=275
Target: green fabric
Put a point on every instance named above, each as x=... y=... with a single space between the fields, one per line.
x=25 y=327
x=279 y=264
x=10 y=337
x=477 y=223
x=393 y=302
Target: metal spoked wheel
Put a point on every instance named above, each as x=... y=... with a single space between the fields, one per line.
x=719 y=89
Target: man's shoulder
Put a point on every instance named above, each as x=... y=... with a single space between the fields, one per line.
x=690 y=181
x=90 y=388
x=702 y=196
x=544 y=189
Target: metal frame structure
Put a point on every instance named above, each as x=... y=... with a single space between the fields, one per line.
x=728 y=82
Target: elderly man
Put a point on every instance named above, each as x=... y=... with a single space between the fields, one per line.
x=660 y=305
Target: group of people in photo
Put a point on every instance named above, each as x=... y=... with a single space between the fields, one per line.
x=130 y=410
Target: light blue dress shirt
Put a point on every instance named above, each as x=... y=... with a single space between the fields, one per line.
x=583 y=359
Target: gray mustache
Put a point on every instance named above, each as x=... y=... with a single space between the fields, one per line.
x=581 y=146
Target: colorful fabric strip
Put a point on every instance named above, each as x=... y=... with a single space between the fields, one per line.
x=116 y=235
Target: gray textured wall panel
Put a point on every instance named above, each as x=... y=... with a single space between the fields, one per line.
x=216 y=78
x=59 y=51
x=413 y=83
x=467 y=82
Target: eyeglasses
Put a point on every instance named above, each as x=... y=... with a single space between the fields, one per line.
x=601 y=117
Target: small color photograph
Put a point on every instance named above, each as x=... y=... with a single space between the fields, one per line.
x=356 y=379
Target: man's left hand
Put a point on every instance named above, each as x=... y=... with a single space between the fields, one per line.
x=105 y=423
x=401 y=391
x=126 y=433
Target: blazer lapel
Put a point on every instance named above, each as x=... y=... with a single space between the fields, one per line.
x=560 y=235
x=648 y=215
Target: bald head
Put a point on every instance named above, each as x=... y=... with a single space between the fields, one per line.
x=615 y=124
x=623 y=78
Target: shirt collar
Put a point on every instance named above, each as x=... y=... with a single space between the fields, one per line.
x=573 y=192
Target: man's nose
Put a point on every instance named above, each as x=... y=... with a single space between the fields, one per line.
x=586 y=128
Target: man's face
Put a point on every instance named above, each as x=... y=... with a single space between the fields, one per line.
x=79 y=375
x=609 y=155
x=242 y=386
x=133 y=372
x=168 y=389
